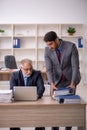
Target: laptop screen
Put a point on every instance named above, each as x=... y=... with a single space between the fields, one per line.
x=25 y=93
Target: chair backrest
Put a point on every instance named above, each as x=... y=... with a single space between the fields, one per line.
x=10 y=62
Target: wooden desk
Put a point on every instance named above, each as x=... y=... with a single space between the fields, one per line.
x=44 y=112
x=5 y=75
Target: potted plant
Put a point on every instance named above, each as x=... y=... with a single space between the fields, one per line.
x=1 y=31
x=71 y=30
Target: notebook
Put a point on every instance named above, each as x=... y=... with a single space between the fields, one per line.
x=25 y=93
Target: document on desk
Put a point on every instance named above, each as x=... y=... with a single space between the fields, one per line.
x=6 y=96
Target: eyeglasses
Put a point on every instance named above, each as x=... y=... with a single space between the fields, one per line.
x=27 y=69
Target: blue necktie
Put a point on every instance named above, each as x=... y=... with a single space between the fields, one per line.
x=26 y=81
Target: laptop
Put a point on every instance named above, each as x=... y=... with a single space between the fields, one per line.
x=25 y=93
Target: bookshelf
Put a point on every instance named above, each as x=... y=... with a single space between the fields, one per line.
x=31 y=41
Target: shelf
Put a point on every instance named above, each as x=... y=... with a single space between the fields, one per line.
x=22 y=36
x=23 y=49
x=31 y=41
x=74 y=36
x=44 y=28
x=78 y=28
x=7 y=29
x=24 y=29
x=42 y=49
x=5 y=36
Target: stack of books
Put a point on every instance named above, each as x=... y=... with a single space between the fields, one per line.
x=66 y=95
x=69 y=99
x=6 y=96
x=62 y=91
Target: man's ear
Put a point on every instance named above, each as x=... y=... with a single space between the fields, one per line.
x=57 y=42
x=20 y=66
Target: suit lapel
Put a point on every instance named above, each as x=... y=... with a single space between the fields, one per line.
x=54 y=57
x=21 y=78
x=63 y=53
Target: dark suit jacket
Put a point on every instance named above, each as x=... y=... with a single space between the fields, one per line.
x=69 y=65
x=34 y=80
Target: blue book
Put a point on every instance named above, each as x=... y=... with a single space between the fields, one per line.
x=69 y=99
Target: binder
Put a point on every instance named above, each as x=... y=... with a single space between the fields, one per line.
x=69 y=99
x=63 y=91
x=80 y=45
x=16 y=43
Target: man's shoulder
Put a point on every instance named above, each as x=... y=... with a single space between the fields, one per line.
x=36 y=72
x=16 y=72
x=47 y=50
x=69 y=43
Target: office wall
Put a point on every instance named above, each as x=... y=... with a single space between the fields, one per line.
x=46 y=11
x=43 y=11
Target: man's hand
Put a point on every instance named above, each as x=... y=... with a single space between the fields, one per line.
x=72 y=85
x=53 y=87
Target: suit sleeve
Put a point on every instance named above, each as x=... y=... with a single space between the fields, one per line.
x=75 y=64
x=40 y=85
x=49 y=66
x=12 y=81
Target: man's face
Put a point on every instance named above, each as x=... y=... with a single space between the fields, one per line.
x=27 y=69
x=52 y=44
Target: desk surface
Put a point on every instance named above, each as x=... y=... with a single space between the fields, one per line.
x=44 y=101
x=44 y=112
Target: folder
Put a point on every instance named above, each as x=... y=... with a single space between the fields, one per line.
x=69 y=99
x=80 y=45
x=63 y=91
x=16 y=43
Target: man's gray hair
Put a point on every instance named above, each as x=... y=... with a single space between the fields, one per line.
x=26 y=61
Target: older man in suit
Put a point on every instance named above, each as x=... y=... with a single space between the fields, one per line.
x=34 y=79
x=62 y=64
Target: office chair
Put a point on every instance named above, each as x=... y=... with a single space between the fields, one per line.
x=10 y=62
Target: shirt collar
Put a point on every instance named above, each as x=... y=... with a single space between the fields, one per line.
x=60 y=47
x=25 y=76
